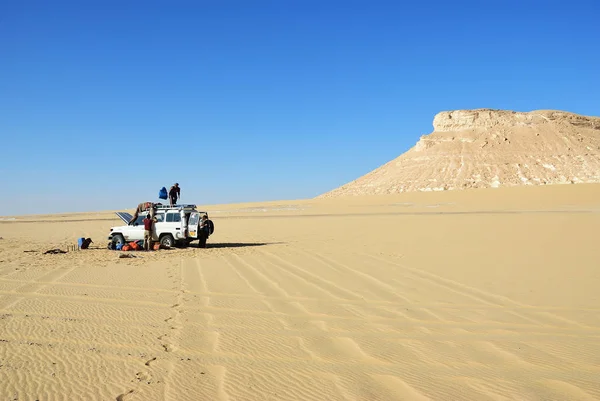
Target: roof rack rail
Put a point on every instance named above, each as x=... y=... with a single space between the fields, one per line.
x=188 y=206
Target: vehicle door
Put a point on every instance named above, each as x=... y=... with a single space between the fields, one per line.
x=184 y=223
x=172 y=224
x=136 y=231
x=158 y=226
x=193 y=225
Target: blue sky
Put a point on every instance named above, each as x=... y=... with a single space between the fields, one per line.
x=104 y=102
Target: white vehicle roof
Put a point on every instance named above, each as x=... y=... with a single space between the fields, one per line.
x=126 y=217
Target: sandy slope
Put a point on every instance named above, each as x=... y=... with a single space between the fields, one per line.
x=479 y=295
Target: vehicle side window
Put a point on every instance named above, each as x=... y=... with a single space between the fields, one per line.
x=139 y=221
x=173 y=217
x=159 y=217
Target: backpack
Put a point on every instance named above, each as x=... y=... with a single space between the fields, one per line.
x=162 y=194
x=84 y=243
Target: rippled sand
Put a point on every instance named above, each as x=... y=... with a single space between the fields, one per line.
x=470 y=295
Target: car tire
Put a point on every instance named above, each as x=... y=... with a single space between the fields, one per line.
x=167 y=240
x=118 y=239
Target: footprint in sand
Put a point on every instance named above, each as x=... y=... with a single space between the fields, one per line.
x=168 y=347
x=143 y=377
x=121 y=397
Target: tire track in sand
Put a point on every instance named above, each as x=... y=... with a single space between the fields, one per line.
x=331 y=288
x=483 y=296
x=269 y=288
x=275 y=298
x=375 y=284
x=32 y=287
x=323 y=347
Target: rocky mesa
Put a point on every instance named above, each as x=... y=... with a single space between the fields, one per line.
x=490 y=148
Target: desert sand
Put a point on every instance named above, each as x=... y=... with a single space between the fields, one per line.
x=482 y=294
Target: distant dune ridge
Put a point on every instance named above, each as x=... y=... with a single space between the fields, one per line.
x=490 y=148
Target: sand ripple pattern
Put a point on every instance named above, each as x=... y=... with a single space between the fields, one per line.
x=306 y=320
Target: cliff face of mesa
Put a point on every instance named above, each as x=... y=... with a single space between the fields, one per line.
x=490 y=148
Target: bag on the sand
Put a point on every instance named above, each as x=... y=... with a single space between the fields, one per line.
x=112 y=246
x=156 y=246
x=134 y=246
x=162 y=194
x=84 y=243
x=126 y=247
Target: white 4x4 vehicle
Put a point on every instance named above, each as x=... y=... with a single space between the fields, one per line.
x=175 y=225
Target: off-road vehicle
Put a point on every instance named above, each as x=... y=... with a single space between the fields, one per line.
x=175 y=226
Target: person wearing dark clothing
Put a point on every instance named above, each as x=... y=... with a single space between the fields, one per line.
x=204 y=231
x=148 y=221
x=174 y=194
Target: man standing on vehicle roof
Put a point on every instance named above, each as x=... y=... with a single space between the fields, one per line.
x=174 y=194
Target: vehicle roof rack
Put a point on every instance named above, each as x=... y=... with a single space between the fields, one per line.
x=189 y=206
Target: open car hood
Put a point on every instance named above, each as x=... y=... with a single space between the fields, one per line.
x=126 y=217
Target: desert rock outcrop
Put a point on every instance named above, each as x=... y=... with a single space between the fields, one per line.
x=490 y=148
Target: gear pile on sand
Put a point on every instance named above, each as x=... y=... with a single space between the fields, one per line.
x=490 y=148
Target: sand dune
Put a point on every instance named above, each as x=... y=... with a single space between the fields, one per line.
x=467 y=295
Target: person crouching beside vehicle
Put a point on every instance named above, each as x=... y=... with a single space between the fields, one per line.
x=148 y=223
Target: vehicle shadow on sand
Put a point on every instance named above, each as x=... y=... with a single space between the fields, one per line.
x=238 y=244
